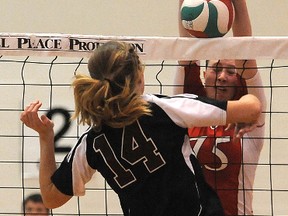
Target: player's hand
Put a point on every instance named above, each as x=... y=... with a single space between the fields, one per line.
x=43 y=125
x=241 y=128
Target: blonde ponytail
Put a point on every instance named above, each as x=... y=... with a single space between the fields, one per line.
x=96 y=102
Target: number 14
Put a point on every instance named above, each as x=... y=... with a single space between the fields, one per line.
x=135 y=148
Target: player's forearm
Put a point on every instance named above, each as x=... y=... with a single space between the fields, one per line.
x=242 y=27
x=47 y=166
x=242 y=24
x=245 y=110
x=52 y=197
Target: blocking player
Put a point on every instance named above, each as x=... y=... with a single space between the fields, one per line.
x=229 y=164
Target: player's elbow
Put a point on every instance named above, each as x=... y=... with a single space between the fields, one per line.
x=53 y=203
x=253 y=109
x=256 y=110
x=53 y=198
x=50 y=205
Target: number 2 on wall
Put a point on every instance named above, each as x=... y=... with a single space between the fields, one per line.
x=66 y=125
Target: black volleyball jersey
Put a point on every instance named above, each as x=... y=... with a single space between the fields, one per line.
x=148 y=163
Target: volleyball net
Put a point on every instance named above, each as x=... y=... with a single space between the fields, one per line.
x=42 y=66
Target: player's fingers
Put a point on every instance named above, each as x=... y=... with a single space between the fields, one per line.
x=30 y=115
x=32 y=111
x=30 y=107
x=34 y=106
x=230 y=126
x=238 y=134
x=24 y=115
x=25 y=112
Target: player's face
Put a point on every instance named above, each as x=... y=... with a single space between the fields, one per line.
x=35 y=209
x=220 y=79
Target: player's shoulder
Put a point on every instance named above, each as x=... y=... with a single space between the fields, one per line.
x=155 y=97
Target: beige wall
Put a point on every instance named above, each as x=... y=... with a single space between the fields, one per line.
x=122 y=17
x=112 y=17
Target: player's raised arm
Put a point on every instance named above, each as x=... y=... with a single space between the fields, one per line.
x=52 y=197
x=241 y=28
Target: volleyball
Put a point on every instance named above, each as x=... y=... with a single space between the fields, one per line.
x=207 y=18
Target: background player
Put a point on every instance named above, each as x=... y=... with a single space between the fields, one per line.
x=33 y=205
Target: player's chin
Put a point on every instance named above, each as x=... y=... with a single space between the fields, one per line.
x=223 y=96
